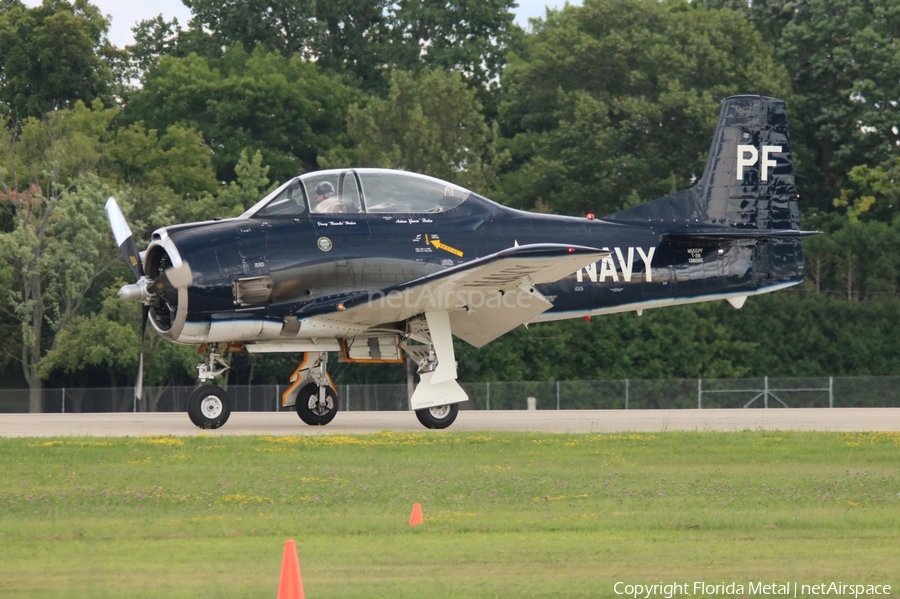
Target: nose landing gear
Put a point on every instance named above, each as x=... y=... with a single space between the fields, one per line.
x=209 y=405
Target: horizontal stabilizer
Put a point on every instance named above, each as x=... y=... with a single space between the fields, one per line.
x=713 y=233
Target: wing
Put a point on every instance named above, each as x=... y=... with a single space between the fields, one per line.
x=485 y=298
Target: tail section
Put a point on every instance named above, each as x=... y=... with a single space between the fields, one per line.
x=745 y=195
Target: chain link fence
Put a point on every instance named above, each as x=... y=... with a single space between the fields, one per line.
x=821 y=392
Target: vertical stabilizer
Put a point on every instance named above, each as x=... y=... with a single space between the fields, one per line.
x=749 y=176
x=748 y=181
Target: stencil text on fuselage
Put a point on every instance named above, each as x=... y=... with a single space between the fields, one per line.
x=619 y=266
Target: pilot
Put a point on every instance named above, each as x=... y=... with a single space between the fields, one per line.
x=325 y=200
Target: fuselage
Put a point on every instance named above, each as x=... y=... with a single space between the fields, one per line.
x=253 y=274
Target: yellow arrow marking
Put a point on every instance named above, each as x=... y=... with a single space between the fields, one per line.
x=442 y=246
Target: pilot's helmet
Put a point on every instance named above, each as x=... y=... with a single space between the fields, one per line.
x=325 y=189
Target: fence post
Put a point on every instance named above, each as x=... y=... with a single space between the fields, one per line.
x=626 y=394
x=277 y=394
x=766 y=391
x=347 y=396
x=488 y=402
x=699 y=394
x=63 y=400
x=831 y=392
x=557 y=395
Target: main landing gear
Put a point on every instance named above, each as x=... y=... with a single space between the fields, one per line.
x=312 y=392
x=429 y=343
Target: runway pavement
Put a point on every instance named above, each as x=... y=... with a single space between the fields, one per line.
x=548 y=421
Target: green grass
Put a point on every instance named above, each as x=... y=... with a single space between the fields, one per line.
x=506 y=515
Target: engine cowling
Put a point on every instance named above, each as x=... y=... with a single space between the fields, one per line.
x=168 y=307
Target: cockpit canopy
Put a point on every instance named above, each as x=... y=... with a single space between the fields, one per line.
x=355 y=191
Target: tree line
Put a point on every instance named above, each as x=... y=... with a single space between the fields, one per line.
x=593 y=108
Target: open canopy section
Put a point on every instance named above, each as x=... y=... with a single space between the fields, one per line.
x=364 y=190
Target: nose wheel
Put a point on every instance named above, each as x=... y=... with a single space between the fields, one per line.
x=209 y=406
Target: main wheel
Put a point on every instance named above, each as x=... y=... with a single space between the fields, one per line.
x=209 y=406
x=312 y=410
x=438 y=416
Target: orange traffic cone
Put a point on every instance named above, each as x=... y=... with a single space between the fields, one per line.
x=290 y=587
x=416 y=517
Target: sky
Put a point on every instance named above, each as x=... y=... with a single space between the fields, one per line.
x=127 y=13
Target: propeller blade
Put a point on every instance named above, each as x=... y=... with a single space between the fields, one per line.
x=139 y=387
x=175 y=277
x=124 y=238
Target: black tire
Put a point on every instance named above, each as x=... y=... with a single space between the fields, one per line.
x=209 y=406
x=438 y=416
x=311 y=411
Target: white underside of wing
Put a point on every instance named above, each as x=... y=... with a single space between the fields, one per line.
x=485 y=298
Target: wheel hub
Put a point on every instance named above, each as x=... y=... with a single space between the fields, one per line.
x=439 y=412
x=211 y=407
x=320 y=408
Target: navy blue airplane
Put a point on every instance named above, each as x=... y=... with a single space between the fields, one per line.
x=372 y=263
